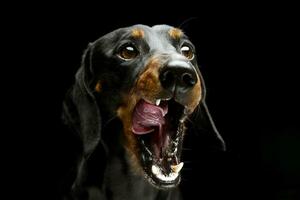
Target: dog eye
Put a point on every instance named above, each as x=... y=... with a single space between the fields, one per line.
x=128 y=52
x=187 y=52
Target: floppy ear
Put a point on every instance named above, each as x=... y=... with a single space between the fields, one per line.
x=80 y=109
x=203 y=124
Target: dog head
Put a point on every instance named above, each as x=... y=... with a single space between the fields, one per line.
x=148 y=78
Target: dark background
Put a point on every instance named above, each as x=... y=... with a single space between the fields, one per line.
x=248 y=59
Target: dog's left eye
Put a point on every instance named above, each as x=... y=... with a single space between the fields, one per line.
x=187 y=52
x=128 y=52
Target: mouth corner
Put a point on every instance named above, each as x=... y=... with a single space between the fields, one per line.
x=159 y=129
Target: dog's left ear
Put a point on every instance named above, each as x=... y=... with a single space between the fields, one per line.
x=80 y=109
x=203 y=124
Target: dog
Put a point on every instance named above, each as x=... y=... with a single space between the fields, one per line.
x=135 y=96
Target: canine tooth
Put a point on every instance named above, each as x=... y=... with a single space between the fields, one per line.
x=157 y=102
x=177 y=168
x=155 y=170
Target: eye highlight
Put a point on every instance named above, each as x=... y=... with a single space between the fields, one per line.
x=128 y=52
x=187 y=52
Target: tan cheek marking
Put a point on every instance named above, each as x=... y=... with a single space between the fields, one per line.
x=194 y=97
x=148 y=86
x=137 y=33
x=98 y=87
x=175 y=33
x=124 y=112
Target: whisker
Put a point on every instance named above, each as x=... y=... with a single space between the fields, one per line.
x=108 y=121
x=187 y=162
x=186 y=21
x=187 y=169
x=189 y=120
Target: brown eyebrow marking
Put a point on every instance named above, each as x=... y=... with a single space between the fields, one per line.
x=137 y=33
x=175 y=33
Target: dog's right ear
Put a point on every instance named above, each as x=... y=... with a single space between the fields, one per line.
x=80 y=110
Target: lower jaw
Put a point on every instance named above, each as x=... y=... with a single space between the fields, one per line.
x=143 y=170
x=159 y=184
x=154 y=171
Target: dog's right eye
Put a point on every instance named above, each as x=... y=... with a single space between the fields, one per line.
x=187 y=52
x=128 y=52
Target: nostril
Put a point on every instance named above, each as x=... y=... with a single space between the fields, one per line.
x=188 y=79
x=167 y=79
x=178 y=75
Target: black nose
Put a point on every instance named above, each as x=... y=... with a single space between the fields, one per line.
x=178 y=74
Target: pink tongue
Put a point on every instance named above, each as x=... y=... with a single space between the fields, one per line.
x=147 y=116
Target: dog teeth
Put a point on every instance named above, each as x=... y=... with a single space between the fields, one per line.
x=157 y=102
x=166 y=178
x=155 y=170
x=177 y=168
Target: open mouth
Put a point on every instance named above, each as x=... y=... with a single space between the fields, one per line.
x=159 y=128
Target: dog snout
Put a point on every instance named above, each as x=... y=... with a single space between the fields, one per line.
x=179 y=75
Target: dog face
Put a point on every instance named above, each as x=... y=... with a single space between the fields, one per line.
x=148 y=77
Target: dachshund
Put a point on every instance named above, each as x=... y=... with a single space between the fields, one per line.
x=136 y=95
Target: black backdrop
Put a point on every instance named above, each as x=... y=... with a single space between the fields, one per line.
x=250 y=66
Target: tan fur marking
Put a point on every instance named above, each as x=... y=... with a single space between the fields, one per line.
x=148 y=84
x=194 y=96
x=98 y=87
x=175 y=33
x=124 y=112
x=137 y=33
